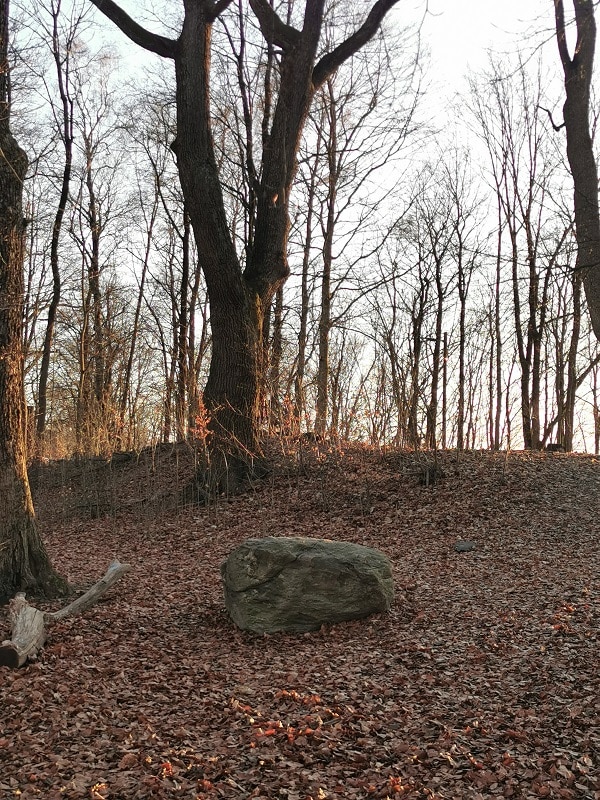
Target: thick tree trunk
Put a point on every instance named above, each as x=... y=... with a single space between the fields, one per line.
x=24 y=563
x=231 y=394
x=239 y=301
x=276 y=406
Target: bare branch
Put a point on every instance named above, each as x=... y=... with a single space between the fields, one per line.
x=272 y=27
x=161 y=45
x=87 y=600
x=331 y=61
x=554 y=125
x=219 y=7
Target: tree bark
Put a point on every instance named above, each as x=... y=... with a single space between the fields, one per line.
x=578 y=71
x=24 y=563
x=276 y=404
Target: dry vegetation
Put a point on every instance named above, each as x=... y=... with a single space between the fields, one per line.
x=483 y=681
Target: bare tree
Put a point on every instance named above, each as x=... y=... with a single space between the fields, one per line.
x=97 y=219
x=523 y=170
x=63 y=114
x=434 y=207
x=239 y=299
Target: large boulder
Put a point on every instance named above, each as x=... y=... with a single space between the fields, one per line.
x=297 y=584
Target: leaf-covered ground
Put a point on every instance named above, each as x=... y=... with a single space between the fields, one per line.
x=482 y=682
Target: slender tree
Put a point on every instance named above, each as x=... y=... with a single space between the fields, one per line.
x=24 y=563
x=523 y=169
x=63 y=113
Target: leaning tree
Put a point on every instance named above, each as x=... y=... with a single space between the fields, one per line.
x=240 y=294
x=24 y=563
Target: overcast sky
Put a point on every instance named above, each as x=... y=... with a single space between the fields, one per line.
x=459 y=32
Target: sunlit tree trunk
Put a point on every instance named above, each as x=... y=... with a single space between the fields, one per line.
x=24 y=563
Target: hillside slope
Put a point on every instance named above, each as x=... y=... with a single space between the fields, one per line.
x=483 y=681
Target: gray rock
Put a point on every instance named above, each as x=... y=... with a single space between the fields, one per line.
x=297 y=584
x=465 y=546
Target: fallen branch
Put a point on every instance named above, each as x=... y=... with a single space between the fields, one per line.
x=113 y=573
x=29 y=625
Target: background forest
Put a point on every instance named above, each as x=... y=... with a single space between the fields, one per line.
x=432 y=300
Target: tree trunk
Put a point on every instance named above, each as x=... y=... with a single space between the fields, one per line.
x=498 y=334
x=299 y=394
x=24 y=563
x=100 y=393
x=328 y=228
x=238 y=301
x=323 y=363
x=571 y=394
x=417 y=319
x=181 y=397
x=66 y=132
x=231 y=395
x=445 y=392
x=463 y=289
x=432 y=409
x=596 y=410
x=578 y=72
x=276 y=351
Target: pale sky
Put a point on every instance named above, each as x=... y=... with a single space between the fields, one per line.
x=459 y=32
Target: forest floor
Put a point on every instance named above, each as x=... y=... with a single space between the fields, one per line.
x=483 y=681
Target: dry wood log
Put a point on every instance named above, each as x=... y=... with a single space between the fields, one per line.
x=28 y=633
x=113 y=573
x=29 y=625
